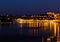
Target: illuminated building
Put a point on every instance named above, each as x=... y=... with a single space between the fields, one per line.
x=50 y=13
x=49 y=22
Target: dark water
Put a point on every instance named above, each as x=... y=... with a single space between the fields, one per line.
x=12 y=32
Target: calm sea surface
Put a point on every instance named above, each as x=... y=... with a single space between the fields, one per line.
x=27 y=33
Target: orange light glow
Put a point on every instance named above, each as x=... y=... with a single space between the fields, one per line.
x=48 y=39
x=52 y=25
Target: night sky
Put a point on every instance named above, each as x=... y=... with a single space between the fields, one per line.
x=21 y=7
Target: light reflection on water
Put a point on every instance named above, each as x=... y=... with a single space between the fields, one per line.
x=46 y=28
